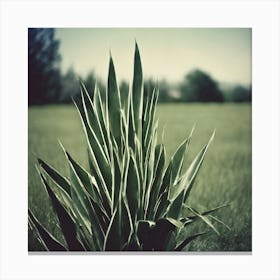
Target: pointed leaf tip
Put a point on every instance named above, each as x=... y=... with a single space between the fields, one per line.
x=213 y=135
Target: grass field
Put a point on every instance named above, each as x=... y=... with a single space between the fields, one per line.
x=225 y=175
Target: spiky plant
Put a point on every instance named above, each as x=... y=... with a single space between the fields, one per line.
x=129 y=199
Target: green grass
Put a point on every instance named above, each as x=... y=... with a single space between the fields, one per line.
x=225 y=175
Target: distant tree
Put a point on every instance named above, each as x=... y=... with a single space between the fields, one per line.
x=90 y=82
x=102 y=89
x=69 y=86
x=164 y=89
x=241 y=94
x=43 y=66
x=164 y=92
x=149 y=86
x=200 y=87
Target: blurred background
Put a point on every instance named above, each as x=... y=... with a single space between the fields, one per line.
x=189 y=65
x=204 y=76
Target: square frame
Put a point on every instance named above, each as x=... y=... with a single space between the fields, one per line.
x=261 y=16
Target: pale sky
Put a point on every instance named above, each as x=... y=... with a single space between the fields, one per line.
x=166 y=53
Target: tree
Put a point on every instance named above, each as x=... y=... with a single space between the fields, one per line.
x=89 y=82
x=164 y=92
x=164 y=89
x=69 y=86
x=200 y=87
x=43 y=66
x=241 y=94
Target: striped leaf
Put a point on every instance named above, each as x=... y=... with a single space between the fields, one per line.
x=137 y=90
x=94 y=121
x=55 y=176
x=186 y=183
x=192 y=171
x=177 y=161
x=159 y=168
x=66 y=223
x=133 y=187
x=204 y=219
x=114 y=103
x=97 y=157
x=49 y=242
x=113 y=236
x=84 y=208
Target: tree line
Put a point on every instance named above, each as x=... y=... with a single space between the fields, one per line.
x=46 y=83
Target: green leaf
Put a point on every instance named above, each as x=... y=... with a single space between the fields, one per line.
x=131 y=126
x=55 y=176
x=116 y=185
x=114 y=104
x=49 y=242
x=82 y=220
x=208 y=211
x=102 y=116
x=187 y=180
x=102 y=170
x=159 y=168
x=93 y=120
x=166 y=181
x=192 y=171
x=150 y=170
x=60 y=186
x=113 y=236
x=99 y=215
x=176 y=206
x=128 y=226
x=66 y=223
x=137 y=89
x=88 y=183
x=133 y=187
x=176 y=223
x=83 y=206
x=96 y=138
x=148 y=128
x=177 y=162
x=162 y=205
x=203 y=218
x=219 y=221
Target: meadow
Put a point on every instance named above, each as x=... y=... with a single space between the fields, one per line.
x=225 y=177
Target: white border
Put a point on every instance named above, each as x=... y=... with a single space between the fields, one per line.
x=262 y=16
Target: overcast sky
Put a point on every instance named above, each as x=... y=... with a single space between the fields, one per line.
x=224 y=53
